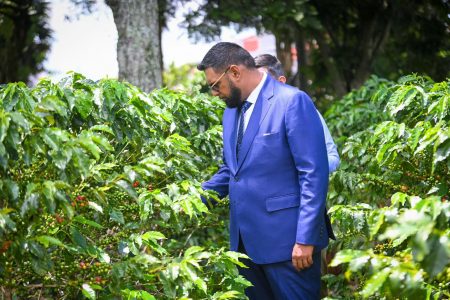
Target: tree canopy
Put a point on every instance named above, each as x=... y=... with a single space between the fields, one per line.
x=24 y=39
x=341 y=43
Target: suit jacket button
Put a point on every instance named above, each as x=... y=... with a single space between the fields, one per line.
x=236 y=178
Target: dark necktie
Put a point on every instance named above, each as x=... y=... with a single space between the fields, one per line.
x=240 y=134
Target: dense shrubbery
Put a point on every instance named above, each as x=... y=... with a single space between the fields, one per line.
x=100 y=189
x=390 y=197
x=100 y=193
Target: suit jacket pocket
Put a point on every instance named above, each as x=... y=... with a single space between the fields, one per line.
x=267 y=137
x=282 y=202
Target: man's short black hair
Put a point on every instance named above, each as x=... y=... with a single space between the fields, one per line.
x=223 y=55
x=270 y=62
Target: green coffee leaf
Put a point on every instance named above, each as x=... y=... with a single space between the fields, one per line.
x=88 y=291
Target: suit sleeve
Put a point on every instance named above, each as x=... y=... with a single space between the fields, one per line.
x=333 y=155
x=218 y=182
x=307 y=144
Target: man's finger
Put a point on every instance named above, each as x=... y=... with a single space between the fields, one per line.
x=310 y=261
x=306 y=264
x=307 y=261
x=300 y=264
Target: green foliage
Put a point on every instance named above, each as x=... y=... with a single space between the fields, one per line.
x=24 y=39
x=355 y=112
x=100 y=193
x=186 y=78
x=390 y=197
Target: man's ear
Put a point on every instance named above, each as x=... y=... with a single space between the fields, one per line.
x=235 y=72
x=282 y=79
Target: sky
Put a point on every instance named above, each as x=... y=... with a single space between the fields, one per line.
x=87 y=43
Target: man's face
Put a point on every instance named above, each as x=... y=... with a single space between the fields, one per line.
x=223 y=87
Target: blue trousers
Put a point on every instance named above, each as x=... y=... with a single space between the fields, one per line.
x=281 y=281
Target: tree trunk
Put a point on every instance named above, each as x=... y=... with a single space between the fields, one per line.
x=161 y=58
x=337 y=78
x=138 y=46
x=371 y=45
x=301 y=59
x=284 y=55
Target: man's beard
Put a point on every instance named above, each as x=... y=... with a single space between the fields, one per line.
x=234 y=100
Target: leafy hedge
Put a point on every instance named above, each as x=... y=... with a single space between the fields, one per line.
x=100 y=193
x=100 y=188
x=390 y=202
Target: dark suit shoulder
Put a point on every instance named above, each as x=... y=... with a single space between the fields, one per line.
x=286 y=93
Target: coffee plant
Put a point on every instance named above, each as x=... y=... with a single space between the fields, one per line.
x=100 y=194
x=389 y=200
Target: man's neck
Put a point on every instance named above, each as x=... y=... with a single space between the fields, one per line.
x=254 y=78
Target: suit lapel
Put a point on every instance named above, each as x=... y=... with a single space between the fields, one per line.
x=260 y=110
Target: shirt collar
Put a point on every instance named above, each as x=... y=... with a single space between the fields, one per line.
x=255 y=93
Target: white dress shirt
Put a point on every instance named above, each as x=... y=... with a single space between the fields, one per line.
x=252 y=99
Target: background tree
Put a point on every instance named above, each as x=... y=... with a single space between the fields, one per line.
x=138 y=45
x=24 y=39
x=142 y=23
x=340 y=44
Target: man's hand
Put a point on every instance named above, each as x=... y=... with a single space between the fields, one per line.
x=302 y=256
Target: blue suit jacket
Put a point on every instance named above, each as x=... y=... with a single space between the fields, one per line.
x=278 y=189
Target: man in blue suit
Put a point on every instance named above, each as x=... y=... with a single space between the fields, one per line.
x=275 y=172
